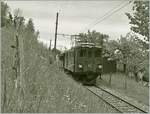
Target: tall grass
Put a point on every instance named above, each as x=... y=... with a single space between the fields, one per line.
x=44 y=87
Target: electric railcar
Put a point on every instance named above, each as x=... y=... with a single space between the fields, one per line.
x=84 y=62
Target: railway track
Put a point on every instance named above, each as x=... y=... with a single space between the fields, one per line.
x=119 y=104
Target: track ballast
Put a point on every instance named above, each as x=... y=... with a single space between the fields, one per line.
x=116 y=102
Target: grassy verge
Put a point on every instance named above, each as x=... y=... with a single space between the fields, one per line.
x=57 y=92
x=44 y=87
x=134 y=90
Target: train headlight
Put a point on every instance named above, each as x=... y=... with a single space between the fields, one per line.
x=99 y=66
x=80 y=66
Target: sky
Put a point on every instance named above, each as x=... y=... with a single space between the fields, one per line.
x=75 y=17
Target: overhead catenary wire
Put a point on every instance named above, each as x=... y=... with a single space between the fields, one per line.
x=105 y=16
x=108 y=14
x=97 y=19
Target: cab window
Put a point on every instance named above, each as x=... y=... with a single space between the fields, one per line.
x=82 y=52
x=89 y=53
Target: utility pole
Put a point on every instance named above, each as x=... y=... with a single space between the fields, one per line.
x=56 y=34
x=18 y=67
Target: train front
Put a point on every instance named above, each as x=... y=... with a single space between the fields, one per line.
x=88 y=62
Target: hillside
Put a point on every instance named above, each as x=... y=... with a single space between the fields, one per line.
x=32 y=81
x=41 y=86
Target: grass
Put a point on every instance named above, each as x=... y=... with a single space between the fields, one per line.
x=45 y=87
x=135 y=90
x=57 y=92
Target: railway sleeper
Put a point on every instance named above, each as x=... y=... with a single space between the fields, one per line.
x=122 y=106
x=128 y=109
x=134 y=111
x=120 y=103
x=117 y=102
x=109 y=98
x=113 y=101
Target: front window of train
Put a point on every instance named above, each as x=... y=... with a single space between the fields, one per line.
x=82 y=52
x=89 y=53
x=86 y=52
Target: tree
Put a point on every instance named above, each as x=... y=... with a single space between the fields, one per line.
x=110 y=49
x=37 y=33
x=30 y=26
x=18 y=19
x=129 y=52
x=93 y=37
x=118 y=50
x=4 y=12
x=140 y=18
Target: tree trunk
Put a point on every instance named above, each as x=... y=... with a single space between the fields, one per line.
x=124 y=68
x=125 y=72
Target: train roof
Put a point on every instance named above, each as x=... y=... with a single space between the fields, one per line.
x=86 y=45
x=90 y=45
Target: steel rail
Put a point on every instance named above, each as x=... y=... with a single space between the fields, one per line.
x=121 y=109
x=104 y=100
x=122 y=99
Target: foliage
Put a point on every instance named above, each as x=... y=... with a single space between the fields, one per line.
x=93 y=37
x=140 y=18
x=30 y=25
x=139 y=47
x=4 y=12
x=34 y=56
x=45 y=88
x=128 y=50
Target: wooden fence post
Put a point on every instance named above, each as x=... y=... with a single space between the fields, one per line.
x=18 y=71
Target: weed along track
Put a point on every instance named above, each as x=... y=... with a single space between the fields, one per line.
x=118 y=103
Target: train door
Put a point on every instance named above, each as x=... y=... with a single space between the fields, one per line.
x=84 y=58
x=90 y=59
x=81 y=59
x=97 y=59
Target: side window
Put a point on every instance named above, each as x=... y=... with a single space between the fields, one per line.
x=82 y=52
x=89 y=53
x=70 y=54
x=97 y=53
